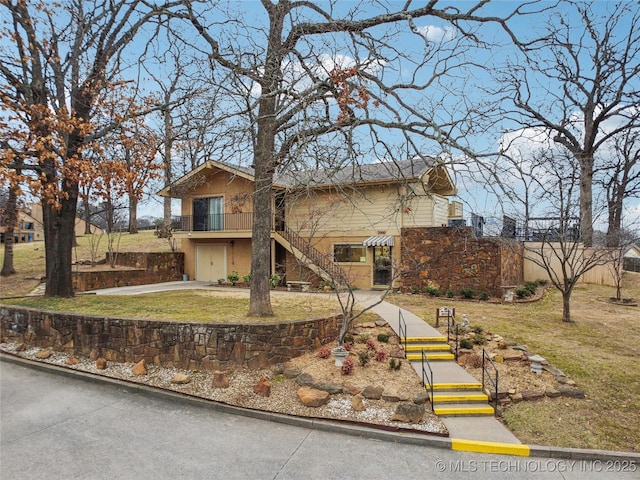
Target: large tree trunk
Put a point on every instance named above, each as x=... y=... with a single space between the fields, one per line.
x=566 y=306
x=133 y=215
x=59 y=236
x=10 y=221
x=586 y=200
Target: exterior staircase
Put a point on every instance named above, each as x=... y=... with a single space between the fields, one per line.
x=309 y=256
x=450 y=398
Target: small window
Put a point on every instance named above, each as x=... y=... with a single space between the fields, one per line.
x=349 y=253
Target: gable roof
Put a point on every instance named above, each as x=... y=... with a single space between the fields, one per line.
x=393 y=171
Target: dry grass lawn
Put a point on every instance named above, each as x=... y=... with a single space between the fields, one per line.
x=600 y=351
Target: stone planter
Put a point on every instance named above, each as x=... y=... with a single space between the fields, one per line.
x=340 y=354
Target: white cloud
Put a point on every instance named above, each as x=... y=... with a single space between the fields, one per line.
x=437 y=34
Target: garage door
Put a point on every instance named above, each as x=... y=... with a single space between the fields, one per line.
x=211 y=262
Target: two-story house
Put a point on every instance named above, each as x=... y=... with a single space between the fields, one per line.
x=328 y=224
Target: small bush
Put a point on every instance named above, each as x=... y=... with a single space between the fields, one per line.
x=347 y=338
x=274 y=280
x=347 y=366
x=221 y=281
x=415 y=290
x=395 y=364
x=478 y=339
x=474 y=361
x=522 y=293
x=433 y=291
x=324 y=352
x=246 y=278
x=363 y=358
x=362 y=338
x=371 y=344
x=477 y=329
x=233 y=277
x=467 y=293
x=542 y=282
x=531 y=286
x=464 y=343
x=347 y=346
x=449 y=293
x=383 y=337
x=484 y=296
x=380 y=356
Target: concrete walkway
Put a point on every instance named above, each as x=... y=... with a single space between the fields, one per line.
x=487 y=429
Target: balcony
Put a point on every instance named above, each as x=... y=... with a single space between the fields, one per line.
x=217 y=222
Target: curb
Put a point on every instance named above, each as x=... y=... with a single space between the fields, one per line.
x=347 y=428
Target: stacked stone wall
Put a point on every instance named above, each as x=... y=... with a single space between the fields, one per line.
x=173 y=344
x=451 y=258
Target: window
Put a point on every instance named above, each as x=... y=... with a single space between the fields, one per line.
x=349 y=253
x=208 y=214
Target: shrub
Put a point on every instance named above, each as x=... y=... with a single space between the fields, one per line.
x=246 y=278
x=324 y=352
x=233 y=277
x=449 y=293
x=484 y=296
x=395 y=364
x=465 y=343
x=383 y=337
x=274 y=280
x=477 y=329
x=347 y=346
x=478 y=339
x=371 y=344
x=531 y=286
x=221 y=281
x=363 y=358
x=433 y=291
x=347 y=338
x=347 y=366
x=467 y=293
x=474 y=361
x=362 y=338
x=415 y=290
x=380 y=356
x=522 y=293
x=542 y=282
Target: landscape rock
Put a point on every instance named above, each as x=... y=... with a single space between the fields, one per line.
x=291 y=372
x=392 y=396
x=357 y=403
x=101 y=363
x=372 y=393
x=220 y=380
x=332 y=388
x=140 y=368
x=351 y=389
x=421 y=398
x=516 y=398
x=552 y=392
x=571 y=392
x=279 y=368
x=21 y=347
x=180 y=379
x=43 y=354
x=72 y=361
x=93 y=355
x=529 y=395
x=408 y=413
x=380 y=323
x=312 y=397
x=263 y=388
x=304 y=379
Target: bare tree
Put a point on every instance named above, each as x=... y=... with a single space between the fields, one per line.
x=58 y=60
x=581 y=83
x=307 y=70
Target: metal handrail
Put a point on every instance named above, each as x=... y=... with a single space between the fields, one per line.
x=428 y=380
x=485 y=369
x=402 y=328
x=452 y=331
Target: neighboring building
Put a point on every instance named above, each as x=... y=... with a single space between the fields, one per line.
x=631 y=259
x=327 y=224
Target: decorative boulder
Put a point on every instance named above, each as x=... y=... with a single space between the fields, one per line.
x=312 y=397
x=180 y=379
x=140 y=368
x=263 y=387
x=220 y=380
x=101 y=363
x=408 y=413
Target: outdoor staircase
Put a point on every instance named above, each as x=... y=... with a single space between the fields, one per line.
x=309 y=256
x=449 y=399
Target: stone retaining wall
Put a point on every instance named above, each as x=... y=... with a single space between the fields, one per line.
x=173 y=344
x=451 y=258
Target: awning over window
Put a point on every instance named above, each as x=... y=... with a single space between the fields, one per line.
x=379 y=241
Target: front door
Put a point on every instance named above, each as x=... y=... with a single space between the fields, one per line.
x=211 y=262
x=382 y=269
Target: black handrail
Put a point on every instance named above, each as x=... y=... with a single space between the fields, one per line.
x=402 y=328
x=494 y=383
x=452 y=331
x=428 y=381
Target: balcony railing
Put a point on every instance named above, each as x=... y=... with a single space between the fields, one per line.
x=216 y=222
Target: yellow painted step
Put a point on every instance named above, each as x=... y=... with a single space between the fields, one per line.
x=428 y=348
x=457 y=386
x=460 y=397
x=430 y=356
x=490 y=447
x=461 y=411
x=424 y=339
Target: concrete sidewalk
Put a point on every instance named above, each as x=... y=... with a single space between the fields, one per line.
x=480 y=428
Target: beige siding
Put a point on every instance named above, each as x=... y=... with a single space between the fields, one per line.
x=236 y=192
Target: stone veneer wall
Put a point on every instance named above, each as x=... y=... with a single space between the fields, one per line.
x=146 y=268
x=453 y=258
x=174 y=344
